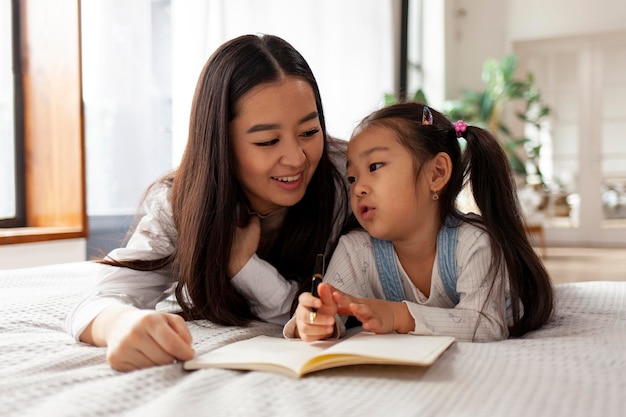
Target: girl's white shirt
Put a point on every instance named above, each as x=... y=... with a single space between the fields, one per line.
x=480 y=314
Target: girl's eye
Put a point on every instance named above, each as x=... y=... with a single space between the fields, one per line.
x=267 y=143
x=310 y=133
x=375 y=166
x=351 y=180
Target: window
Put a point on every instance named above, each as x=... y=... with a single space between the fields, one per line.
x=46 y=188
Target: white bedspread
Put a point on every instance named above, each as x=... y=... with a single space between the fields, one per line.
x=574 y=366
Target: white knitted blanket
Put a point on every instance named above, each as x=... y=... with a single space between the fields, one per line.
x=574 y=366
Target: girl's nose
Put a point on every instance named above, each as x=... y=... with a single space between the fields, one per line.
x=359 y=188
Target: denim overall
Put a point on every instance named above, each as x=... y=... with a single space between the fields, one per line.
x=446 y=255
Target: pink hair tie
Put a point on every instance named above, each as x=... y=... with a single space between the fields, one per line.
x=460 y=127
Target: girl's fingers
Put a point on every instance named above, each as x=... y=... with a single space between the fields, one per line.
x=344 y=301
x=325 y=293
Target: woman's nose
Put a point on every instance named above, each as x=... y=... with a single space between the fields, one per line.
x=294 y=154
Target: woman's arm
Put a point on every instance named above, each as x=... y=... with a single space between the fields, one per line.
x=154 y=237
x=119 y=312
x=139 y=338
x=269 y=294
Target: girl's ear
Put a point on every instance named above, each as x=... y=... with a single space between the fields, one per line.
x=441 y=170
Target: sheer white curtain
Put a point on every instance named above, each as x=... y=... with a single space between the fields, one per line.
x=349 y=45
x=141 y=61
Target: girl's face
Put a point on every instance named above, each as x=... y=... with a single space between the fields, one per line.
x=278 y=142
x=384 y=195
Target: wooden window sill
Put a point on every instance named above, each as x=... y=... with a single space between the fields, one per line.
x=39 y=234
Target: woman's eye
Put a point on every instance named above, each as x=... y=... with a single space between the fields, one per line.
x=351 y=180
x=375 y=166
x=310 y=133
x=267 y=143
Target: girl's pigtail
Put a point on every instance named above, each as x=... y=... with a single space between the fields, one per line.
x=495 y=193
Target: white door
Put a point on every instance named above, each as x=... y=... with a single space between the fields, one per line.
x=583 y=80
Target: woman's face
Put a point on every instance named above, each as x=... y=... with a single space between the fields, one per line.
x=278 y=142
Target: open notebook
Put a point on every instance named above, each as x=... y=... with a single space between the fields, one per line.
x=295 y=358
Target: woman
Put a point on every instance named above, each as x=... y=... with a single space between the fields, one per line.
x=235 y=230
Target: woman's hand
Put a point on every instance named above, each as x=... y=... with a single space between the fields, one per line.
x=138 y=339
x=245 y=244
x=324 y=324
x=378 y=316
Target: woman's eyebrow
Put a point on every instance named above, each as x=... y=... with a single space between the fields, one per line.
x=308 y=117
x=270 y=126
x=263 y=126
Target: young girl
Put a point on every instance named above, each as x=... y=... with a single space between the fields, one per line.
x=424 y=267
x=235 y=230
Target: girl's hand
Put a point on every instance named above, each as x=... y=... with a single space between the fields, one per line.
x=324 y=324
x=245 y=244
x=138 y=339
x=378 y=316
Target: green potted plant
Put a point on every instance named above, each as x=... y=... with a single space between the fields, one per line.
x=488 y=109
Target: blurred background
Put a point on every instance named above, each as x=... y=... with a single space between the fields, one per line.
x=547 y=77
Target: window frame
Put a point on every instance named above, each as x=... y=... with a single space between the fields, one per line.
x=51 y=184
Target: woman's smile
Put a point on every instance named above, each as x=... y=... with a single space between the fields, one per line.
x=289 y=182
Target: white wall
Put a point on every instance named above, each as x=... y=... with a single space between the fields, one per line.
x=536 y=19
x=42 y=253
x=475 y=30
x=481 y=29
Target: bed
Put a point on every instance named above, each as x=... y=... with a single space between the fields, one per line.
x=574 y=366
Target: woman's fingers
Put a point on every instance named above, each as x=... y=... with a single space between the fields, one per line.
x=154 y=339
x=174 y=338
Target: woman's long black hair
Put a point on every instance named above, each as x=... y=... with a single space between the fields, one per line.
x=206 y=195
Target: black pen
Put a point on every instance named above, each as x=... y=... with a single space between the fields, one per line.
x=318 y=276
